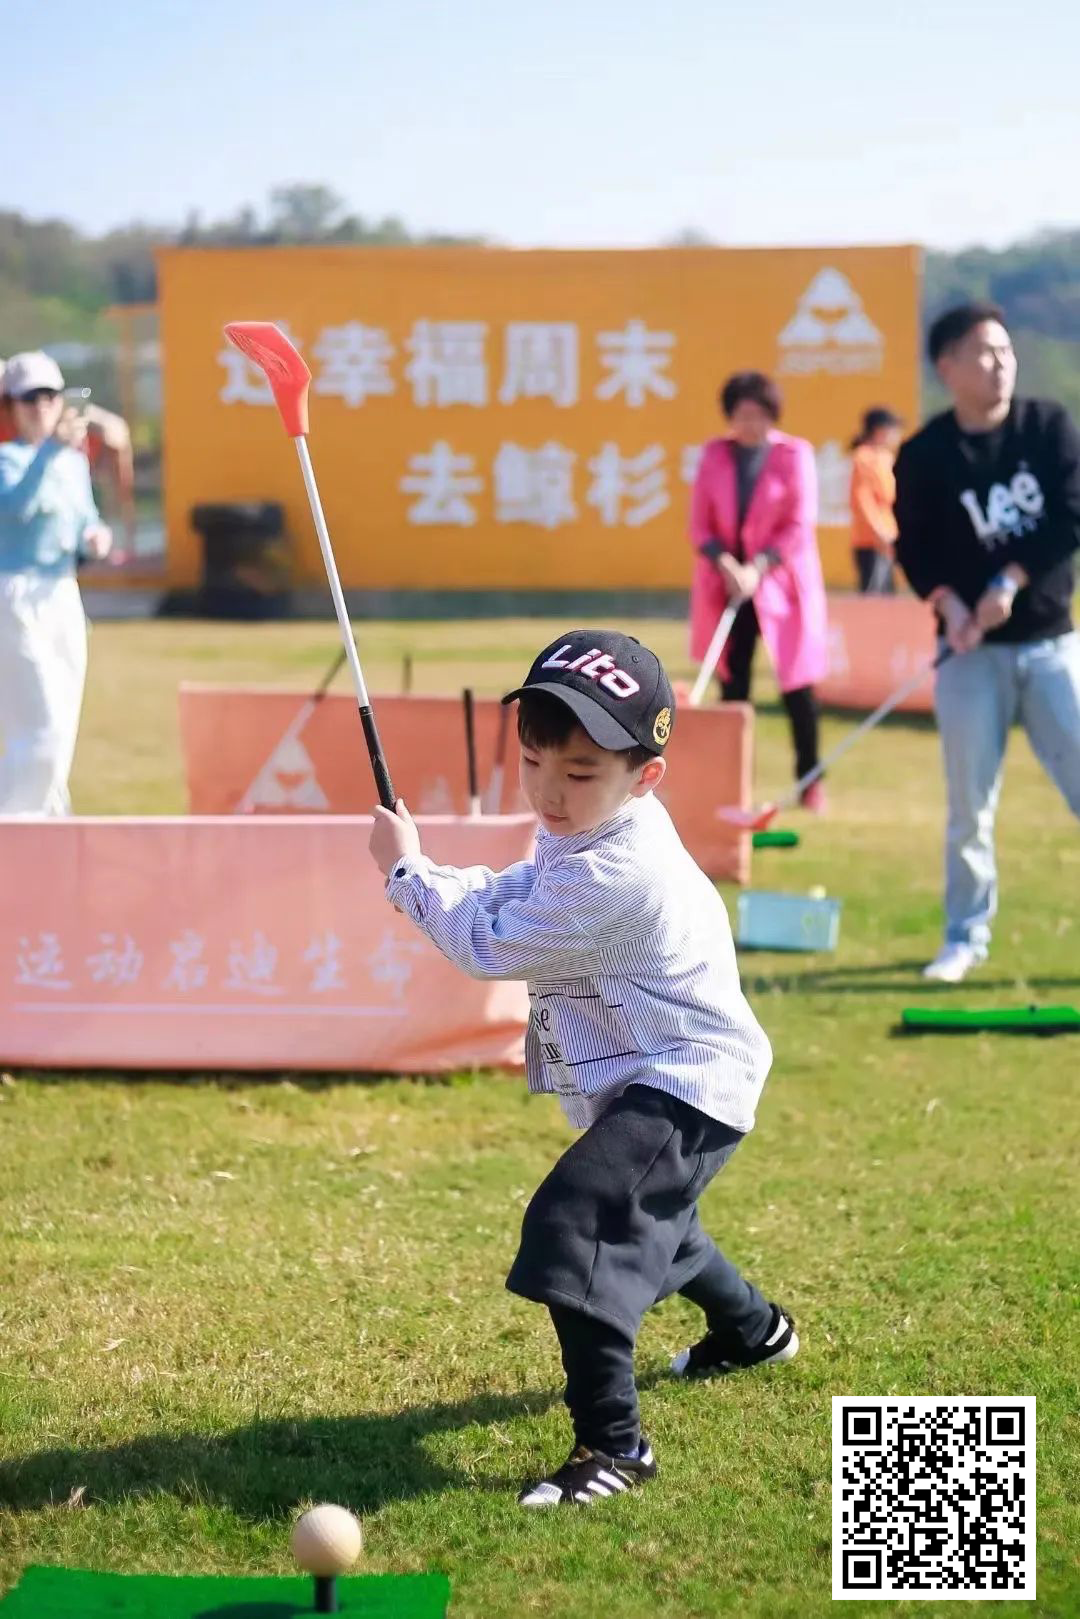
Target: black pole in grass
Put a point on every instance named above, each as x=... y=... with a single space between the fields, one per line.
x=406 y=675
x=470 y=750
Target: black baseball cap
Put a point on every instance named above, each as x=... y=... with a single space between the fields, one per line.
x=615 y=688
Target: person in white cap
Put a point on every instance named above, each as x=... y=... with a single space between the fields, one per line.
x=48 y=523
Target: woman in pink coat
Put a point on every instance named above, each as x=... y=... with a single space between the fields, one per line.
x=752 y=525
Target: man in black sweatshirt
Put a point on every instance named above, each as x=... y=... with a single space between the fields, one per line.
x=988 y=509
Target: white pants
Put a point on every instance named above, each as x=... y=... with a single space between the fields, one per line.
x=42 y=674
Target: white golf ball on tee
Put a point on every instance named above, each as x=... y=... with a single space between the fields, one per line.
x=327 y=1540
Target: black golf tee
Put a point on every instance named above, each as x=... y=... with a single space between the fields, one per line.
x=326 y=1600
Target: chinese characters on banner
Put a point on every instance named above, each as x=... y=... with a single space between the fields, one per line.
x=186 y=964
x=209 y=943
x=495 y=419
x=454 y=363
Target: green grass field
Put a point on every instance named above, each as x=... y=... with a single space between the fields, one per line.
x=221 y=1298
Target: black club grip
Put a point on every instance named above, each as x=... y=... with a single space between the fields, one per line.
x=378 y=759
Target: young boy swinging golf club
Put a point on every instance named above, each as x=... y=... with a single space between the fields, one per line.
x=638 y=1024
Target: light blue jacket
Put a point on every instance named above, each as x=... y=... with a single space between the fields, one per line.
x=46 y=506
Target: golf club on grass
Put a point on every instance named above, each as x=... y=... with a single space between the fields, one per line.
x=755 y=820
x=493 y=796
x=289 y=378
x=470 y=750
x=712 y=656
x=296 y=725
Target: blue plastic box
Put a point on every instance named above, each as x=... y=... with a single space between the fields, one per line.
x=786 y=922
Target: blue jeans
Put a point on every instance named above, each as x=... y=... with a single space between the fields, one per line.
x=977 y=698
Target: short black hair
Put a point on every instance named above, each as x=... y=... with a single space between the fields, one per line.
x=545 y=722
x=954 y=325
x=874 y=419
x=879 y=416
x=755 y=386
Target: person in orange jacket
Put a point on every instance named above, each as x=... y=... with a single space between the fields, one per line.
x=873 y=491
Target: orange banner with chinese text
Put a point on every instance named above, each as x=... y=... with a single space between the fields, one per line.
x=232 y=741
x=495 y=419
x=252 y=943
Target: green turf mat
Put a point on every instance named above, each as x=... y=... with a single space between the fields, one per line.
x=775 y=840
x=1005 y=1020
x=72 y=1593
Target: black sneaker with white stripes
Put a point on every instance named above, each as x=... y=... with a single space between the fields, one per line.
x=588 y=1476
x=715 y=1356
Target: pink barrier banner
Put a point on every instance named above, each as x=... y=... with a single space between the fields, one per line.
x=875 y=644
x=249 y=943
x=236 y=737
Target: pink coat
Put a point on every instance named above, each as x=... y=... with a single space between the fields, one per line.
x=790 y=599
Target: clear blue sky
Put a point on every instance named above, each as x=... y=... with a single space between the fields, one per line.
x=592 y=123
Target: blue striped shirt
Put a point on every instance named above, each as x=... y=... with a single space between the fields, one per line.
x=627 y=952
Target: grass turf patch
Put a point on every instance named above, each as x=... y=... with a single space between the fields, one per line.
x=222 y=1299
x=59 y=1593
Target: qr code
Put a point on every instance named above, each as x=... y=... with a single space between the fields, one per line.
x=933 y=1498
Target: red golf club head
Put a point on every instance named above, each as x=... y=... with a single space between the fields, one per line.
x=283 y=365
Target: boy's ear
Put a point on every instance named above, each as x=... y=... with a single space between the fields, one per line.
x=650 y=777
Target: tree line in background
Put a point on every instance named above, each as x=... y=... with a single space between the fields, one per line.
x=56 y=283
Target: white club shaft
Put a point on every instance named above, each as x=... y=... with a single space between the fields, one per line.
x=892 y=701
x=712 y=656
x=330 y=565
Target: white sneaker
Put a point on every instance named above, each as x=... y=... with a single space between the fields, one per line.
x=953 y=962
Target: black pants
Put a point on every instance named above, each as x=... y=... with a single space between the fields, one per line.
x=875 y=572
x=612 y=1230
x=598 y=1359
x=801 y=704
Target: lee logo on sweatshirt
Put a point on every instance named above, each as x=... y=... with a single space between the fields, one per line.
x=1011 y=509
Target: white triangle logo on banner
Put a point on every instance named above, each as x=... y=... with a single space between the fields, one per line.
x=830 y=330
x=288 y=780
